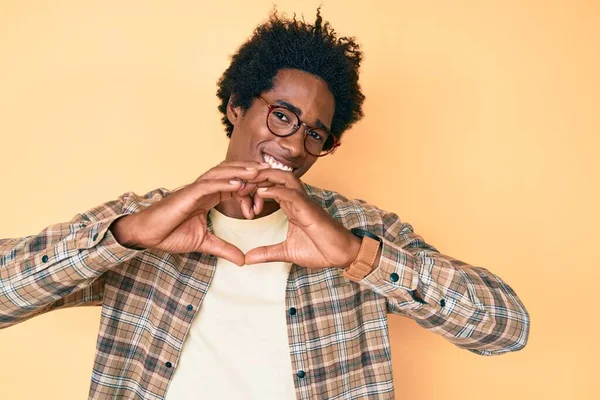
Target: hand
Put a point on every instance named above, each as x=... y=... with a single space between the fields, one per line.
x=314 y=238
x=178 y=223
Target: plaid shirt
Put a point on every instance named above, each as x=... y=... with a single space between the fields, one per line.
x=337 y=329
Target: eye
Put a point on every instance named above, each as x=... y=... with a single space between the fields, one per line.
x=315 y=135
x=281 y=116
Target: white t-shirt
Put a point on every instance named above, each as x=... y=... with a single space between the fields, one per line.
x=237 y=346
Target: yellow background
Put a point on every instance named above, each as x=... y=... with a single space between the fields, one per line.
x=481 y=129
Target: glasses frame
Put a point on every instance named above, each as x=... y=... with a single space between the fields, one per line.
x=271 y=107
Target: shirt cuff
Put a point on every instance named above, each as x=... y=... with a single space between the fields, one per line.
x=93 y=247
x=397 y=277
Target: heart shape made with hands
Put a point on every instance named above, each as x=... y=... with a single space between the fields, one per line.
x=178 y=223
x=314 y=239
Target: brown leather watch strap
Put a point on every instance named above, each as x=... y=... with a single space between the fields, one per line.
x=365 y=261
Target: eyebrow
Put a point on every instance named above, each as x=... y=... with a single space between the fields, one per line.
x=298 y=111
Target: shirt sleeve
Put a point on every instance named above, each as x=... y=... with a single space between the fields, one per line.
x=63 y=266
x=469 y=306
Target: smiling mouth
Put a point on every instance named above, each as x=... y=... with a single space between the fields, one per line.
x=269 y=159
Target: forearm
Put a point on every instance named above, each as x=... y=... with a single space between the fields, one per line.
x=64 y=258
x=40 y=272
x=123 y=232
x=470 y=306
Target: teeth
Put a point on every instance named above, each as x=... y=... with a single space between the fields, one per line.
x=275 y=164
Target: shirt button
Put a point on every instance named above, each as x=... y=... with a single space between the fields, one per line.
x=394 y=277
x=301 y=374
x=168 y=364
x=95 y=237
x=443 y=303
x=45 y=259
x=190 y=307
x=292 y=311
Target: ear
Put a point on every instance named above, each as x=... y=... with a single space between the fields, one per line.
x=233 y=113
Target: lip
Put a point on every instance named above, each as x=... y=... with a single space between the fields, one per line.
x=282 y=161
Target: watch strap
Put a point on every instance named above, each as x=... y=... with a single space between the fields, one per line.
x=364 y=263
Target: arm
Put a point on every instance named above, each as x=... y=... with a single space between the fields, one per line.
x=469 y=306
x=63 y=265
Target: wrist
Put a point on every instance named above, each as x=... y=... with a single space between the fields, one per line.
x=122 y=231
x=367 y=257
x=355 y=243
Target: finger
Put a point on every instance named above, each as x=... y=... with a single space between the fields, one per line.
x=210 y=186
x=220 y=248
x=277 y=176
x=278 y=193
x=245 y=204
x=247 y=189
x=263 y=254
x=241 y=164
x=264 y=184
x=178 y=206
x=258 y=204
x=258 y=165
x=234 y=169
x=242 y=173
x=198 y=195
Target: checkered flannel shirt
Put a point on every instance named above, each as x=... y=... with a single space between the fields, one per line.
x=337 y=333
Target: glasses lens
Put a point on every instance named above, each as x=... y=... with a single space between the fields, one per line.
x=282 y=121
x=315 y=142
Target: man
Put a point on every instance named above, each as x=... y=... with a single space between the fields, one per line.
x=249 y=283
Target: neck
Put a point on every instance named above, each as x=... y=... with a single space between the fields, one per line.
x=233 y=209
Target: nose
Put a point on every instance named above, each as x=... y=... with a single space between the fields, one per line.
x=294 y=143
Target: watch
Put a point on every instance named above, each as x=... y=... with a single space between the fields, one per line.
x=365 y=261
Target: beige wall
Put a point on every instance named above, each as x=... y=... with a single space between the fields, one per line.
x=482 y=130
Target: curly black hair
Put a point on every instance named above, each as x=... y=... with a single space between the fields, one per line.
x=282 y=43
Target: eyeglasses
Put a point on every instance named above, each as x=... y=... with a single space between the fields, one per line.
x=283 y=122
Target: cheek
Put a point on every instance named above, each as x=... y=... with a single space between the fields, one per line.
x=258 y=133
x=249 y=133
x=306 y=167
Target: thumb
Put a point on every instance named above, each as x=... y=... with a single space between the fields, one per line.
x=262 y=254
x=220 y=248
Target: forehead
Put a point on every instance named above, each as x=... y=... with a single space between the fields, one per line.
x=307 y=92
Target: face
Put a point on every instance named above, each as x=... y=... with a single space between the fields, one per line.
x=251 y=140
